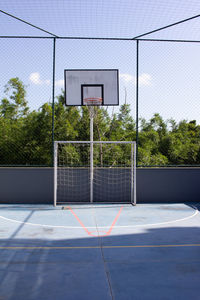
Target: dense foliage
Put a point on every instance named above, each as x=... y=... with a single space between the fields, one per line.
x=26 y=136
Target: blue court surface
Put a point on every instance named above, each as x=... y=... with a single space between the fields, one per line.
x=150 y=251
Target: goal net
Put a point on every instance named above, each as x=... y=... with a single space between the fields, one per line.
x=94 y=172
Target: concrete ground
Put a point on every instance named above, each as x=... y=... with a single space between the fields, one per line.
x=100 y=252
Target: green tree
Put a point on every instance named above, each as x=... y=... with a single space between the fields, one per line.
x=38 y=136
x=150 y=147
x=13 y=111
x=14 y=105
x=183 y=143
x=67 y=119
x=26 y=136
x=122 y=125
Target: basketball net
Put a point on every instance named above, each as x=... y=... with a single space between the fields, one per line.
x=91 y=103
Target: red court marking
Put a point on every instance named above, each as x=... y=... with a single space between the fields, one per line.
x=80 y=222
x=115 y=220
x=98 y=231
x=90 y=232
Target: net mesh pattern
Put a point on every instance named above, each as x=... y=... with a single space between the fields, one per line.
x=73 y=173
x=112 y=172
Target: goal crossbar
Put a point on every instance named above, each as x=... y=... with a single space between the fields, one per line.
x=94 y=142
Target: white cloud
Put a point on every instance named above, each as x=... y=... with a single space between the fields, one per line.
x=127 y=77
x=59 y=83
x=35 y=78
x=145 y=79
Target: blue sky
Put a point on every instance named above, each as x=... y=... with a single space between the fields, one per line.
x=169 y=76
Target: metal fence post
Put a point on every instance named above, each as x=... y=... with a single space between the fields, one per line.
x=137 y=99
x=53 y=96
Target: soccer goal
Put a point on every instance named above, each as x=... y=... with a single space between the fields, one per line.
x=98 y=171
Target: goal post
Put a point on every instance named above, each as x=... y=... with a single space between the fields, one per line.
x=109 y=176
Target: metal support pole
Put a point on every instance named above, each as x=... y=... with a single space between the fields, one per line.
x=53 y=96
x=55 y=172
x=132 y=173
x=137 y=99
x=91 y=109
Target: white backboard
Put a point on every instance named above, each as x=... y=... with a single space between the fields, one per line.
x=92 y=83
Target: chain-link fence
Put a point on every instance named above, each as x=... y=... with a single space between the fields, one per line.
x=159 y=97
x=169 y=131
x=26 y=102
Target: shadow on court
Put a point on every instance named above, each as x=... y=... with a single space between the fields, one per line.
x=156 y=263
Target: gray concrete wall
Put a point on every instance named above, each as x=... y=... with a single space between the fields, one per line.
x=26 y=185
x=35 y=185
x=168 y=185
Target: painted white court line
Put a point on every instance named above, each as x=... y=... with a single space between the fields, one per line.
x=101 y=227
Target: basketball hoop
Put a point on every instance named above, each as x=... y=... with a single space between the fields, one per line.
x=92 y=101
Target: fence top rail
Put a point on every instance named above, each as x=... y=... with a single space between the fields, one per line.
x=95 y=142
